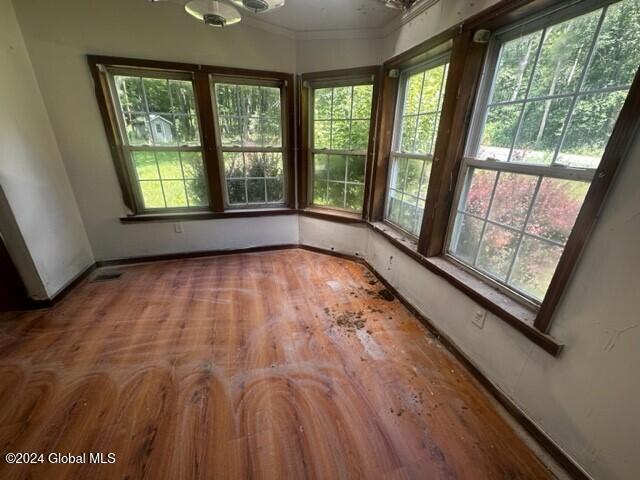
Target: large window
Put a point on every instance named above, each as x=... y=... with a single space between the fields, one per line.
x=339 y=138
x=416 y=129
x=549 y=101
x=249 y=119
x=159 y=126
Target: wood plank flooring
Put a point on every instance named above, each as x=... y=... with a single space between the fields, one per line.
x=279 y=365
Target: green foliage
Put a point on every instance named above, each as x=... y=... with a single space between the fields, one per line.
x=561 y=64
x=161 y=178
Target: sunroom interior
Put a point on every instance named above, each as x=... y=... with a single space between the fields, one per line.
x=302 y=239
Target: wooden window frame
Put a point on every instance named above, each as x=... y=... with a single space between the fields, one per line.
x=305 y=177
x=467 y=62
x=212 y=160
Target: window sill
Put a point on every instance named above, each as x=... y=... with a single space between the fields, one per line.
x=333 y=215
x=186 y=216
x=501 y=305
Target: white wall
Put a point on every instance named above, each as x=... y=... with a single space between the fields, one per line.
x=587 y=399
x=317 y=53
x=33 y=177
x=59 y=34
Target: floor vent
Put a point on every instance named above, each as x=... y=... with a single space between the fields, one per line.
x=104 y=277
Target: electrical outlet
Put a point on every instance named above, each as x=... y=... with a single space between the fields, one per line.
x=177 y=227
x=479 y=317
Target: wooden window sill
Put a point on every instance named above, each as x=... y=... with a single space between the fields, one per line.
x=186 y=216
x=501 y=305
x=333 y=215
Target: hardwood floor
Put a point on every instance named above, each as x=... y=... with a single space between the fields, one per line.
x=285 y=364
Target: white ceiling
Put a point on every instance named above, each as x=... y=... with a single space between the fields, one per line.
x=316 y=15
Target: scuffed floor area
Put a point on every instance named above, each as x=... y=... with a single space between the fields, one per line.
x=288 y=364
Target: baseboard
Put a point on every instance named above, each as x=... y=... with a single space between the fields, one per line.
x=536 y=433
x=63 y=292
x=187 y=255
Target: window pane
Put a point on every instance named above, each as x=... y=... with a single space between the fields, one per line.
x=409 y=129
x=275 y=190
x=362 y=95
x=182 y=97
x=227 y=100
x=137 y=128
x=251 y=134
x=590 y=128
x=187 y=129
x=355 y=196
x=254 y=164
x=322 y=134
x=236 y=191
x=230 y=131
x=145 y=163
x=512 y=199
x=616 y=56
x=355 y=172
x=408 y=213
x=233 y=164
x=499 y=130
x=322 y=105
x=394 y=205
x=564 y=55
x=256 y=191
x=414 y=174
x=192 y=164
x=152 y=194
x=272 y=132
x=157 y=93
x=320 y=192
x=431 y=86
x=336 y=194
x=479 y=191
x=515 y=67
x=342 y=103
x=556 y=208
x=425 y=134
x=273 y=165
x=174 y=193
x=130 y=93
x=169 y=165
x=412 y=94
x=270 y=102
x=337 y=167
x=196 y=193
x=340 y=135
x=540 y=132
x=320 y=166
x=467 y=238
x=359 y=134
x=497 y=250
x=535 y=265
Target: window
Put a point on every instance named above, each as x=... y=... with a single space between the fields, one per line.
x=548 y=104
x=339 y=138
x=249 y=120
x=420 y=100
x=158 y=123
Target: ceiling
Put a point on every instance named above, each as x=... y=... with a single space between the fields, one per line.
x=315 y=15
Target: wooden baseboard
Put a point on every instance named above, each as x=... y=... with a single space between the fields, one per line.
x=50 y=302
x=541 y=437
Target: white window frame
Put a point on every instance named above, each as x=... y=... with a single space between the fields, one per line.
x=396 y=153
x=562 y=12
x=254 y=82
x=131 y=172
x=313 y=85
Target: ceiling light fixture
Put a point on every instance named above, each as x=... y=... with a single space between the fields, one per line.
x=259 y=6
x=213 y=12
x=403 y=5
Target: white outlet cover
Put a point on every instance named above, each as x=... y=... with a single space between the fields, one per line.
x=177 y=227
